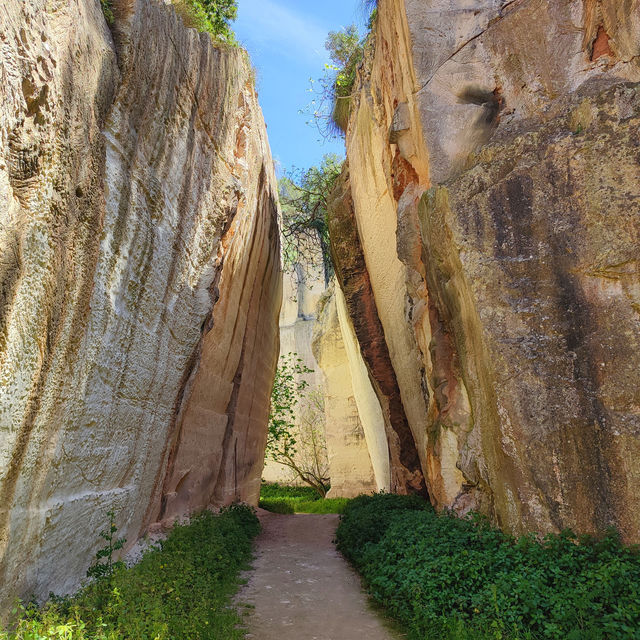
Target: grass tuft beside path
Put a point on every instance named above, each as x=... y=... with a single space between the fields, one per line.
x=181 y=589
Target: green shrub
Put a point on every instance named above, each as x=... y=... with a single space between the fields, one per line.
x=209 y=16
x=107 y=11
x=367 y=519
x=181 y=589
x=346 y=50
x=447 y=577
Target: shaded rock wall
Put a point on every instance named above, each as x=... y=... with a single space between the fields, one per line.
x=508 y=301
x=546 y=228
x=405 y=473
x=139 y=280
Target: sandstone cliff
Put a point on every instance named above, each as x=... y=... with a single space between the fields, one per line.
x=355 y=464
x=139 y=280
x=497 y=142
x=303 y=286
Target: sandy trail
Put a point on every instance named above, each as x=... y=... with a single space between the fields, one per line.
x=301 y=588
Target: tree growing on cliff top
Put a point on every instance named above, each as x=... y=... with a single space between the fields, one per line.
x=221 y=13
x=210 y=16
x=331 y=106
x=299 y=444
x=346 y=50
x=304 y=196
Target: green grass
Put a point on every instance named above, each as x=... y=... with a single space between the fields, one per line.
x=282 y=499
x=328 y=505
x=181 y=589
x=275 y=490
x=448 y=578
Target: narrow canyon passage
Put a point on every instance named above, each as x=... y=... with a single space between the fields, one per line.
x=301 y=588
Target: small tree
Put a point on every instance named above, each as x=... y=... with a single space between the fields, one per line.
x=221 y=14
x=298 y=445
x=305 y=229
x=312 y=455
x=330 y=106
x=209 y=16
x=105 y=566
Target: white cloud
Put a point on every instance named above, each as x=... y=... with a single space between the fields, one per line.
x=266 y=23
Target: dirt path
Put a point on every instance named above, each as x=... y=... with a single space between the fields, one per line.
x=302 y=588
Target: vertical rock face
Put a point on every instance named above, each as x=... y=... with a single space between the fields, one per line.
x=350 y=464
x=139 y=280
x=370 y=411
x=358 y=299
x=497 y=143
x=303 y=286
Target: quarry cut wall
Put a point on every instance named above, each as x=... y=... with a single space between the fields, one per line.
x=139 y=280
x=302 y=287
x=497 y=143
x=351 y=466
x=314 y=325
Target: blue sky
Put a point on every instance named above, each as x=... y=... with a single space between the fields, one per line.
x=285 y=39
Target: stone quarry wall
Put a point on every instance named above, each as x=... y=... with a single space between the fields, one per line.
x=350 y=463
x=339 y=398
x=497 y=143
x=303 y=286
x=139 y=280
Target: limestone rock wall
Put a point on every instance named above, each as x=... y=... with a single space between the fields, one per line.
x=370 y=412
x=497 y=143
x=303 y=286
x=350 y=463
x=405 y=473
x=339 y=399
x=139 y=280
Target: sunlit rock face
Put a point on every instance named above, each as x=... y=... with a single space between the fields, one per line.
x=303 y=285
x=339 y=400
x=350 y=462
x=493 y=162
x=385 y=414
x=139 y=280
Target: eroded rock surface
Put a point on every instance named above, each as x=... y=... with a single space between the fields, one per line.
x=350 y=463
x=494 y=174
x=139 y=280
x=538 y=246
x=303 y=286
x=358 y=299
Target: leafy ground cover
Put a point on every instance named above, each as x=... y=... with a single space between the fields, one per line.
x=283 y=499
x=180 y=589
x=445 y=577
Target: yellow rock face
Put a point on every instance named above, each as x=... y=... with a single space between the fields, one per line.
x=303 y=286
x=495 y=186
x=350 y=465
x=369 y=410
x=139 y=280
